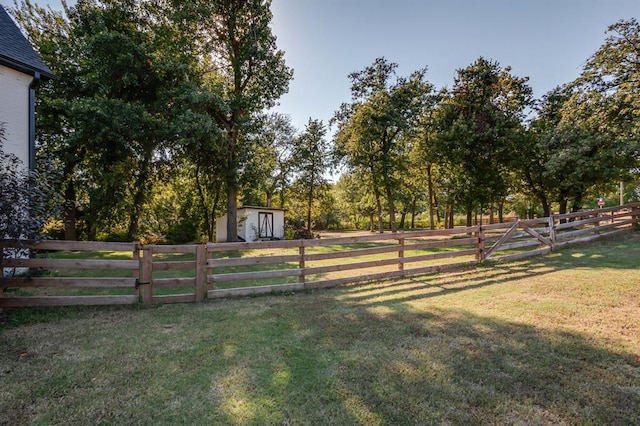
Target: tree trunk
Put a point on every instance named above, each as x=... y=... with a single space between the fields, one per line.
x=403 y=215
x=545 y=206
x=232 y=183
x=232 y=214
x=451 y=224
x=309 y=205
x=376 y=192
x=212 y=215
x=431 y=198
x=469 y=218
x=392 y=209
x=142 y=188
x=563 y=209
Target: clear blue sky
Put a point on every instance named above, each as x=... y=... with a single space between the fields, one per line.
x=325 y=40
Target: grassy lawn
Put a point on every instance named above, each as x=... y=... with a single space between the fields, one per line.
x=548 y=340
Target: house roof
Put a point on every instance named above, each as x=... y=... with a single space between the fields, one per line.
x=15 y=50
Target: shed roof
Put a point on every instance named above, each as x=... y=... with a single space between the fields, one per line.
x=15 y=50
x=261 y=208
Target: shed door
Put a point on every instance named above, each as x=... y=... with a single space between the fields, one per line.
x=265 y=225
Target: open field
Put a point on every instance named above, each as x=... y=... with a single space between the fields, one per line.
x=548 y=340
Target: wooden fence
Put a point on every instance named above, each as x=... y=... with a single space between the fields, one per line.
x=190 y=273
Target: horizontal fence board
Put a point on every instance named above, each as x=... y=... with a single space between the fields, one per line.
x=71 y=263
x=173 y=248
x=356 y=279
x=573 y=234
x=436 y=256
x=348 y=266
x=440 y=268
x=259 y=260
x=441 y=243
x=255 y=275
x=70 y=245
x=250 y=291
x=391 y=236
x=581 y=222
x=519 y=244
x=218 y=247
x=63 y=282
x=174 y=298
x=438 y=233
x=17 y=302
x=173 y=282
x=618 y=224
x=352 y=253
x=592 y=237
x=523 y=255
x=175 y=265
x=351 y=240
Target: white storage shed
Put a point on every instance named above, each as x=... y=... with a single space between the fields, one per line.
x=254 y=223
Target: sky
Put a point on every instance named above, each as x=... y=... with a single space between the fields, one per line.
x=325 y=40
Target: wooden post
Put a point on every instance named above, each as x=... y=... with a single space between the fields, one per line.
x=136 y=272
x=479 y=246
x=552 y=231
x=401 y=254
x=301 y=264
x=146 y=277
x=201 y=272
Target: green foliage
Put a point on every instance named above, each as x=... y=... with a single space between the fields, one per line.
x=372 y=130
x=157 y=124
x=310 y=162
x=27 y=197
x=477 y=126
x=237 y=42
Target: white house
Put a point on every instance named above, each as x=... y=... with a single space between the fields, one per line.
x=254 y=223
x=21 y=68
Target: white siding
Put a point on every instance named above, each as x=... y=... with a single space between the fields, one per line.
x=248 y=224
x=14 y=112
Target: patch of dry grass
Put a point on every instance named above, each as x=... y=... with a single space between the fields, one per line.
x=549 y=340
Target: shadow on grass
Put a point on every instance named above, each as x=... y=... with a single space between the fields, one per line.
x=354 y=355
x=310 y=359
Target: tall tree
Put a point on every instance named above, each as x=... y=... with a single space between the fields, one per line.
x=477 y=125
x=311 y=158
x=238 y=44
x=270 y=160
x=384 y=108
x=119 y=65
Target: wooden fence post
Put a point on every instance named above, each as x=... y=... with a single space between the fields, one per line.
x=136 y=272
x=201 y=272
x=301 y=263
x=552 y=231
x=146 y=276
x=479 y=246
x=401 y=254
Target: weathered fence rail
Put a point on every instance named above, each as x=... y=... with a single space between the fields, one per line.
x=128 y=273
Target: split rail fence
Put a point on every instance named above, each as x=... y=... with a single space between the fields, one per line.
x=55 y=273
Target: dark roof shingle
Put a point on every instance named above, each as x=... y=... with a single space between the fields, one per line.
x=15 y=50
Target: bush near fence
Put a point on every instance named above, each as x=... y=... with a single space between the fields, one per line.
x=98 y=273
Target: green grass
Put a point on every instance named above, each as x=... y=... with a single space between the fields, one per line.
x=549 y=340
